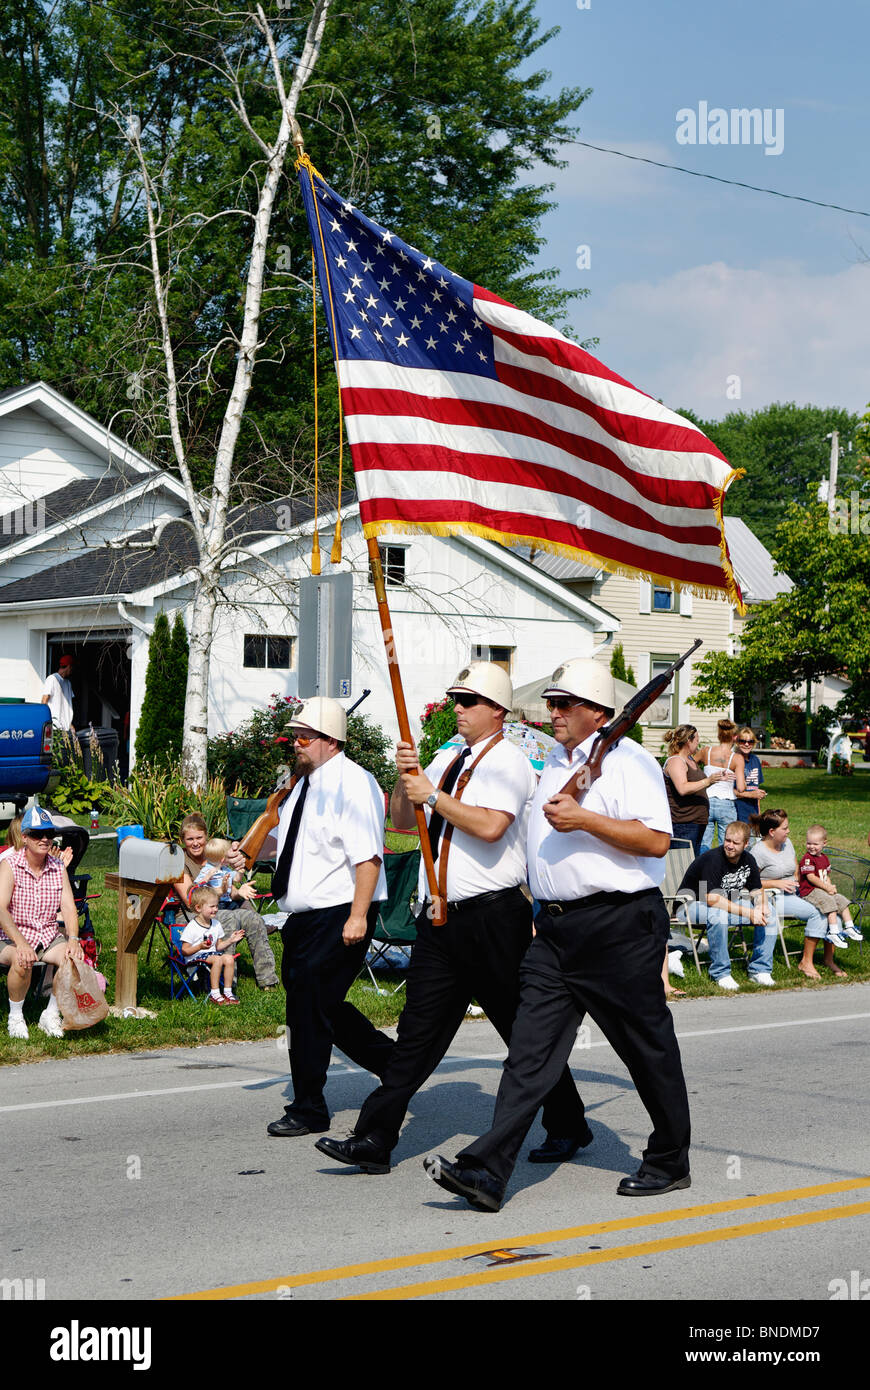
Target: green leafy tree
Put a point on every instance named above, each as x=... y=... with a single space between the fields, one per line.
x=176 y=687
x=621 y=672
x=784 y=451
x=153 y=733
x=820 y=627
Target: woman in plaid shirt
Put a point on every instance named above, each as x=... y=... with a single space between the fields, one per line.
x=34 y=890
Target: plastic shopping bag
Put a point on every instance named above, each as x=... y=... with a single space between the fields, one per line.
x=79 y=997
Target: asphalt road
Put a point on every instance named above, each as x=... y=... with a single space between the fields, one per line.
x=162 y=1162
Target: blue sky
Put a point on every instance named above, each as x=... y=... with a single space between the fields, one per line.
x=698 y=289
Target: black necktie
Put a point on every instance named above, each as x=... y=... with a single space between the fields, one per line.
x=436 y=822
x=281 y=876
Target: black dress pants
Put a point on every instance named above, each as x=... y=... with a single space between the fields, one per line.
x=317 y=969
x=605 y=959
x=476 y=954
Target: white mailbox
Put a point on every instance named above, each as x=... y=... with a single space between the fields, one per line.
x=150 y=861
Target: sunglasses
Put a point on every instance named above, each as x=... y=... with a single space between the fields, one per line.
x=466 y=701
x=562 y=702
x=305 y=739
x=40 y=834
x=749 y=741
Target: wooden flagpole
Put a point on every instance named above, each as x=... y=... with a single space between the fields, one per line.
x=437 y=908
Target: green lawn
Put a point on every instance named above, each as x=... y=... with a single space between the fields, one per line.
x=841 y=804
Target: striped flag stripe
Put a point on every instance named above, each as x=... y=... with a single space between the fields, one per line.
x=383 y=511
x=393 y=476
x=642 y=467
x=560 y=458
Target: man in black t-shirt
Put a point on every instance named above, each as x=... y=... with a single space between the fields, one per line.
x=726 y=885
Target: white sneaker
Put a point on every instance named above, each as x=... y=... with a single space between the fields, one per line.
x=764 y=978
x=727 y=982
x=703 y=947
x=675 y=964
x=850 y=930
x=837 y=939
x=50 y=1024
x=17 y=1028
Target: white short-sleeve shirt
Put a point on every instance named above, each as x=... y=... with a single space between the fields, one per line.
x=195 y=933
x=564 y=865
x=502 y=781
x=342 y=826
x=60 y=700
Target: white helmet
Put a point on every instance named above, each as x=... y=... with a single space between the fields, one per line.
x=585 y=679
x=487 y=679
x=324 y=716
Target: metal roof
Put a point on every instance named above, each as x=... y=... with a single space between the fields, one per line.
x=753 y=564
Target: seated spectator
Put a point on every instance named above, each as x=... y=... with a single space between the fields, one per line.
x=194 y=837
x=204 y=939
x=815 y=887
x=749 y=802
x=34 y=889
x=774 y=854
x=727 y=887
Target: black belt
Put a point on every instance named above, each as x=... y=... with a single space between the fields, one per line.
x=481 y=899
x=560 y=907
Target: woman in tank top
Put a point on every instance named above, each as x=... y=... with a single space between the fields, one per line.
x=722 y=756
x=687 y=785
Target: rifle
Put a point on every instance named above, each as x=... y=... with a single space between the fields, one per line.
x=611 y=733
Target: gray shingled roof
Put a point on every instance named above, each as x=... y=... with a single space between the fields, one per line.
x=129 y=568
x=66 y=502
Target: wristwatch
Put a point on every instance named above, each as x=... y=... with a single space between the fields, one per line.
x=430 y=800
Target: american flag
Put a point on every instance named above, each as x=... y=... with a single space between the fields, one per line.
x=466 y=414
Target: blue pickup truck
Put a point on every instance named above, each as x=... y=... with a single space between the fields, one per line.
x=26 y=764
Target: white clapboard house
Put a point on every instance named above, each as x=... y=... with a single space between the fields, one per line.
x=93 y=545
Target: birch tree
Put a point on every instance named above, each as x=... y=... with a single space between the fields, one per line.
x=208 y=521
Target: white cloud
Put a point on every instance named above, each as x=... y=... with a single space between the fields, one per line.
x=787 y=334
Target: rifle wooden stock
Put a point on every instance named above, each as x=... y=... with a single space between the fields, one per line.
x=611 y=733
x=256 y=837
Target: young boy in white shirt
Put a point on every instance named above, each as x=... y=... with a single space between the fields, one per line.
x=203 y=939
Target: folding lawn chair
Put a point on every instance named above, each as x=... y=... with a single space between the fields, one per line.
x=187 y=976
x=397 y=926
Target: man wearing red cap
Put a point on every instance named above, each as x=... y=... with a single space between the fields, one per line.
x=57 y=693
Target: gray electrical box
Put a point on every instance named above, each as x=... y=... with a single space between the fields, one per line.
x=325 y=630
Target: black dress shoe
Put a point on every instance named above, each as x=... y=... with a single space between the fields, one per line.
x=477 y=1185
x=555 y=1150
x=288 y=1128
x=650 y=1185
x=359 y=1151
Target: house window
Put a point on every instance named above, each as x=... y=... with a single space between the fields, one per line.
x=393 y=562
x=663 y=600
x=663 y=710
x=269 y=653
x=499 y=656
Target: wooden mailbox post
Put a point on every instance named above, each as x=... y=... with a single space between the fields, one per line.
x=138 y=905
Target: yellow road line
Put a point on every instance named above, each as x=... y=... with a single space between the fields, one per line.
x=456 y=1252
x=619 y=1252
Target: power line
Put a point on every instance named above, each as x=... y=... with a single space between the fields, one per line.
x=736 y=183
